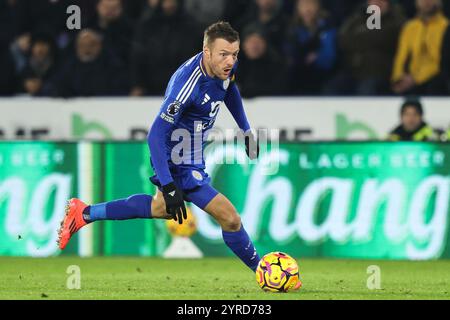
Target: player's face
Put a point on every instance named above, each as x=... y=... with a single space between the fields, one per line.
x=222 y=55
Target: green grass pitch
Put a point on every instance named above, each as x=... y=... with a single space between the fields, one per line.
x=215 y=278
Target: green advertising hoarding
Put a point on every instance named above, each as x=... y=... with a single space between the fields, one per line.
x=359 y=200
x=127 y=172
x=36 y=179
x=362 y=200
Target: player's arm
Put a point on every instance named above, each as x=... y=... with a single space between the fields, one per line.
x=233 y=101
x=160 y=131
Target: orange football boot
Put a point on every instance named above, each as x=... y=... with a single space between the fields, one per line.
x=72 y=222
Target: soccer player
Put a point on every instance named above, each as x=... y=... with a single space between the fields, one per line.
x=192 y=100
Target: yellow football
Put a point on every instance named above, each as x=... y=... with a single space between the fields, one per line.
x=186 y=229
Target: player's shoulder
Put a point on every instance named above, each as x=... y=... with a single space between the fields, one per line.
x=184 y=81
x=189 y=68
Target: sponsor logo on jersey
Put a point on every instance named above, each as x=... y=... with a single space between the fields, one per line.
x=215 y=107
x=206 y=99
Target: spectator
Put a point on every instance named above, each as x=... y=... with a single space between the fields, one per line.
x=165 y=38
x=92 y=72
x=114 y=26
x=48 y=16
x=205 y=12
x=267 y=14
x=410 y=8
x=37 y=77
x=261 y=70
x=311 y=48
x=367 y=62
x=367 y=54
x=412 y=127
x=20 y=48
x=417 y=63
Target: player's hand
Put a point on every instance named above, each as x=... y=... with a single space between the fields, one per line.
x=251 y=146
x=174 y=202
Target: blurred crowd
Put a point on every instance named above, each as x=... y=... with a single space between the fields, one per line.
x=288 y=47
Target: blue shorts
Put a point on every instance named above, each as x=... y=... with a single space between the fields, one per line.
x=194 y=182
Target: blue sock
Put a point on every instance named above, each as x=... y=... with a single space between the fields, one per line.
x=240 y=243
x=134 y=207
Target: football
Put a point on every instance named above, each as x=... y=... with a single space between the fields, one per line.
x=278 y=272
x=186 y=229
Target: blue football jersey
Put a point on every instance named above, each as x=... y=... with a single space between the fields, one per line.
x=192 y=102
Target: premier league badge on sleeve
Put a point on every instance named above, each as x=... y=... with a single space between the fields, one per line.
x=173 y=108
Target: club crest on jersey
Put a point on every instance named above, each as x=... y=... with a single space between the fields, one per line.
x=173 y=108
x=226 y=84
